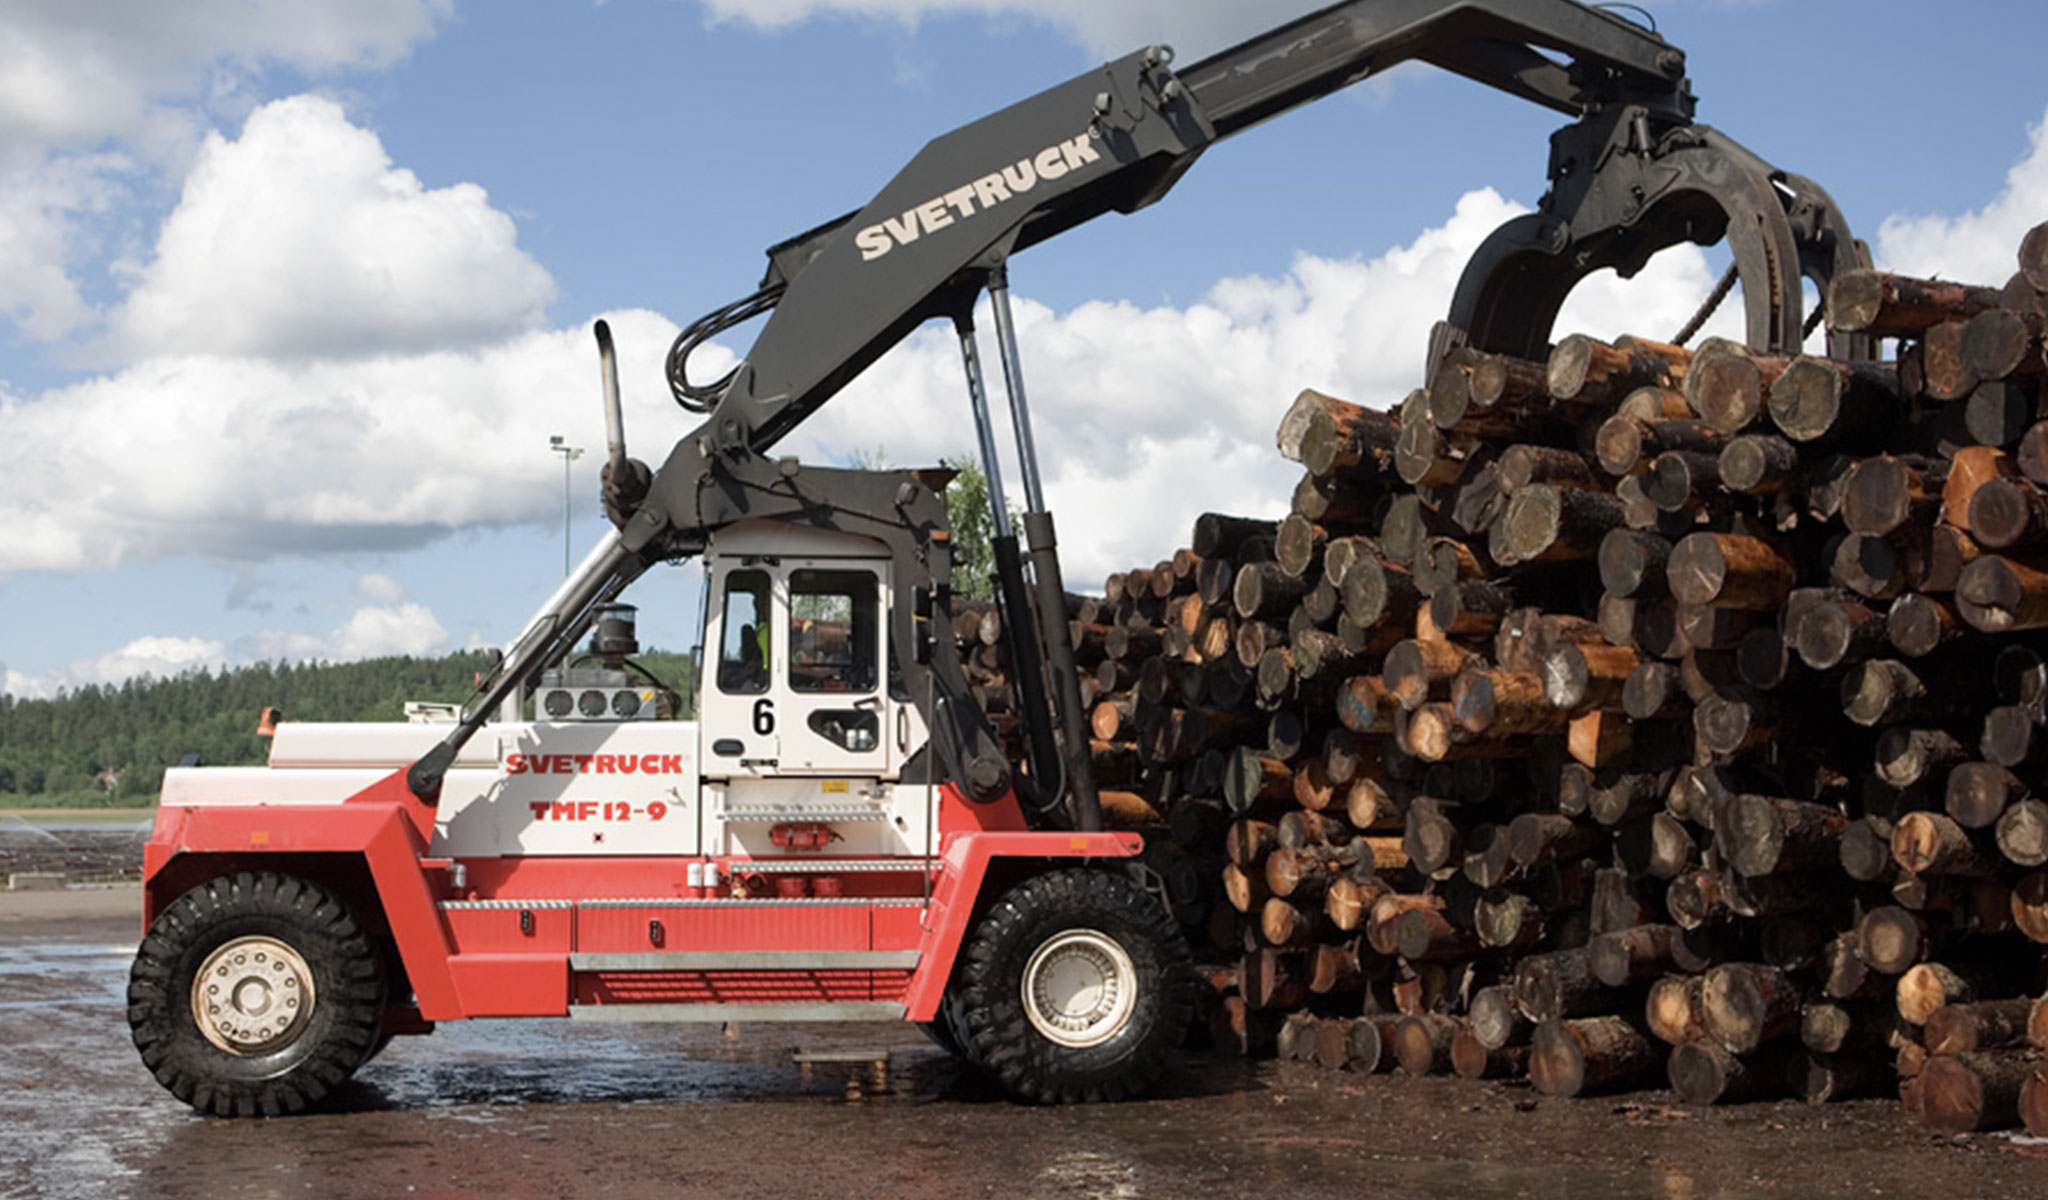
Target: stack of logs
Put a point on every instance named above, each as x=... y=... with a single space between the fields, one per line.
x=1647 y=714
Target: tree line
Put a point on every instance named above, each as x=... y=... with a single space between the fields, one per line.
x=110 y=743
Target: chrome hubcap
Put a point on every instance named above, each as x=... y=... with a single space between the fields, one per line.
x=252 y=995
x=1079 y=988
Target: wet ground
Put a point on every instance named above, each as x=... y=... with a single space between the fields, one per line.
x=543 y=1109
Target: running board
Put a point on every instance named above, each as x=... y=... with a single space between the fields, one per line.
x=749 y=960
x=850 y=1010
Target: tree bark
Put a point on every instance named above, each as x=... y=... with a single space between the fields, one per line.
x=1584 y=1057
x=1968 y=1093
x=1744 y=1005
x=1886 y=305
x=1730 y=571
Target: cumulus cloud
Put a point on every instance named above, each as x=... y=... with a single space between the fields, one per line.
x=401 y=628
x=300 y=238
x=377 y=631
x=75 y=74
x=379 y=587
x=1193 y=27
x=1151 y=413
x=1978 y=246
x=97 y=99
x=39 y=234
x=158 y=656
x=244 y=459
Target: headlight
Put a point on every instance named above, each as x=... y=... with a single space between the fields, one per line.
x=591 y=703
x=625 y=704
x=557 y=703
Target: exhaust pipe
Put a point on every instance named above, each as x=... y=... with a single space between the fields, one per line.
x=625 y=481
x=614 y=414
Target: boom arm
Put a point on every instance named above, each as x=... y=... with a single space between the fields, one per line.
x=1631 y=176
x=1116 y=139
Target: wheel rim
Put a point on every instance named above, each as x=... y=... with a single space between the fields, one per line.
x=252 y=995
x=1079 y=988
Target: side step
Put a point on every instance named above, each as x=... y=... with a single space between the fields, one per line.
x=849 y=1010
x=748 y=960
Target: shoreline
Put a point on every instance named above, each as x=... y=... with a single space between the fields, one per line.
x=110 y=816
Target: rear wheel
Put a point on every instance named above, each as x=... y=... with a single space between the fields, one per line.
x=255 y=994
x=1074 y=987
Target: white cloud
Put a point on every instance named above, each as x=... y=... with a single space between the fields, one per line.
x=378 y=631
x=380 y=587
x=96 y=99
x=39 y=234
x=300 y=238
x=1154 y=414
x=403 y=628
x=1193 y=27
x=1980 y=246
x=74 y=75
x=243 y=459
x=158 y=656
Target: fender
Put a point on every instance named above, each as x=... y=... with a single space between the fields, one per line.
x=966 y=858
x=382 y=825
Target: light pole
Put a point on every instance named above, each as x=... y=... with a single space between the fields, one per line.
x=561 y=446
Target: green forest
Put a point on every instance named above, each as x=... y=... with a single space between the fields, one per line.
x=109 y=745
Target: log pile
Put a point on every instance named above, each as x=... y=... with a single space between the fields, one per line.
x=1643 y=716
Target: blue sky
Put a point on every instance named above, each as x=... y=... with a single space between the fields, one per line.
x=293 y=294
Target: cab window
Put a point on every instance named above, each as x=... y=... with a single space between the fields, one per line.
x=832 y=631
x=743 y=640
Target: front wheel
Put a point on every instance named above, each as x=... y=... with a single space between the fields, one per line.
x=255 y=994
x=1074 y=987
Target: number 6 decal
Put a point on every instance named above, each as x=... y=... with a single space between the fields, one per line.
x=764 y=716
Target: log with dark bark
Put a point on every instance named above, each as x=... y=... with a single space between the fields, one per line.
x=1585 y=368
x=1925 y=988
x=1633 y=955
x=1709 y=1073
x=2008 y=514
x=1978 y=793
x=1729 y=570
x=1422 y=1043
x=1368 y=1045
x=1744 y=1005
x=1560 y=984
x=1726 y=385
x=1931 y=843
x=1543 y=523
x=2022 y=833
x=1218 y=535
x=1986 y=1025
x=1968 y=1093
x=1826 y=1078
x=1850 y=405
x=1271 y=978
x=1944 y=373
x=1590 y=1055
x=1758 y=464
x=1886 y=305
x=1918 y=624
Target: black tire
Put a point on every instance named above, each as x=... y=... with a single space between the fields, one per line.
x=1091 y=927
x=268 y=941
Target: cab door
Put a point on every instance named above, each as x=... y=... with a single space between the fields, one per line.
x=834 y=717
x=796 y=687
x=737 y=705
